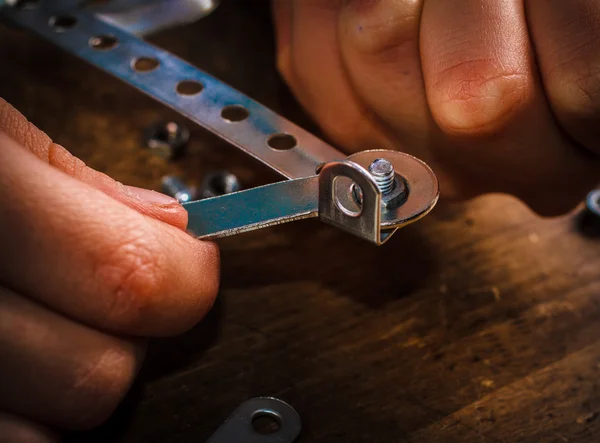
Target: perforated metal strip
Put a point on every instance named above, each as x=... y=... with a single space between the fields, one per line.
x=81 y=33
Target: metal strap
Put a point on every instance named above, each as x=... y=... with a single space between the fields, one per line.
x=76 y=30
x=254 y=208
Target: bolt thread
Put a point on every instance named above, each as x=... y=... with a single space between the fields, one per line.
x=384 y=175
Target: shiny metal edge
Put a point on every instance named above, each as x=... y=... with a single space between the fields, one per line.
x=254 y=208
x=148 y=17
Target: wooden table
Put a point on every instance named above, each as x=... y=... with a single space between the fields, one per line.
x=481 y=323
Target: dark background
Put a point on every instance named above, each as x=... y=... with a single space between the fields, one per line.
x=480 y=323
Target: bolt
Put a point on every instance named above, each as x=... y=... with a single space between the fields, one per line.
x=383 y=173
x=392 y=186
x=177 y=189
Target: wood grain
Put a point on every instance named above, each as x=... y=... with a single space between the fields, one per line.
x=481 y=323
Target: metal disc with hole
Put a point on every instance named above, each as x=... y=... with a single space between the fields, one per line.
x=593 y=202
x=423 y=186
x=243 y=426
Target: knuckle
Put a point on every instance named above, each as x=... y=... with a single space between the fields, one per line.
x=382 y=36
x=477 y=98
x=98 y=387
x=577 y=91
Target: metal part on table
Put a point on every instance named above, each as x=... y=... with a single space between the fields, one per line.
x=241 y=426
x=177 y=189
x=166 y=139
x=593 y=202
x=219 y=183
x=293 y=152
x=214 y=185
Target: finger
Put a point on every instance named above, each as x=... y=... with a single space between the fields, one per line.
x=74 y=248
x=482 y=90
x=151 y=203
x=567 y=43
x=281 y=11
x=14 y=429
x=379 y=42
x=477 y=63
x=314 y=70
x=58 y=371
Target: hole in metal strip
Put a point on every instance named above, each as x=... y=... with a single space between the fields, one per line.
x=62 y=23
x=145 y=64
x=345 y=196
x=189 y=87
x=266 y=422
x=282 y=142
x=234 y=113
x=103 y=42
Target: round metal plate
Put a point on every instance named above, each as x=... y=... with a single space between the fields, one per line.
x=423 y=187
x=593 y=202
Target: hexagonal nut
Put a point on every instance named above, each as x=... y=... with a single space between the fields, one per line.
x=391 y=200
x=166 y=139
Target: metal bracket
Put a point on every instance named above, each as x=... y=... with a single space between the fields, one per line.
x=238 y=428
x=336 y=204
x=328 y=196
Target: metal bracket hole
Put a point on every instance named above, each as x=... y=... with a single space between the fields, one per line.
x=266 y=422
x=189 y=87
x=282 y=142
x=62 y=23
x=343 y=196
x=104 y=42
x=234 y=113
x=144 y=64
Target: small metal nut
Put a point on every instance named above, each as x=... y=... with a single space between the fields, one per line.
x=392 y=199
x=593 y=202
x=166 y=139
x=219 y=183
x=176 y=188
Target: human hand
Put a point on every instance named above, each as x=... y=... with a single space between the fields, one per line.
x=497 y=95
x=88 y=267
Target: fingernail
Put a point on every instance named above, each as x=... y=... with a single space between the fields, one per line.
x=149 y=196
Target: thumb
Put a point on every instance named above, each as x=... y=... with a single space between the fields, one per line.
x=147 y=202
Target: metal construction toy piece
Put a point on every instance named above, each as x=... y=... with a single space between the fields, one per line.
x=282 y=423
x=369 y=194
x=593 y=202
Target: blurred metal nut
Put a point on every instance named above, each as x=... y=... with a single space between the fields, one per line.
x=166 y=139
x=219 y=183
x=176 y=188
x=593 y=202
